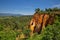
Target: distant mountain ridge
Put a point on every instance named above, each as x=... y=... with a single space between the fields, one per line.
x=9 y=14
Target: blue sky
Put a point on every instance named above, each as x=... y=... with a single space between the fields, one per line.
x=26 y=7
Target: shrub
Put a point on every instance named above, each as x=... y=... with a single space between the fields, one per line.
x=7 y=35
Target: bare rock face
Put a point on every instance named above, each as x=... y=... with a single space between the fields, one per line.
x=40 y=21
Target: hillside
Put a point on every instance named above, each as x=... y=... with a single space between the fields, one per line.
x=17 y=28
x=10 y=26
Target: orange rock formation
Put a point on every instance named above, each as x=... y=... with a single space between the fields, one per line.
x=40 y=21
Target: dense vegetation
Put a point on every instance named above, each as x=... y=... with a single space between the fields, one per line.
x=11 y=27
x=16 y=27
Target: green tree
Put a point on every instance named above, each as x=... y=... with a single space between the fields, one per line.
x=7 y=35
x=48 y=10
x=56 y=9
x=37 y=10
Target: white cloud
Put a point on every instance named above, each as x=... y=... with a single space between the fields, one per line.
x=14 y=12
x=17 y=12
x=58 y=5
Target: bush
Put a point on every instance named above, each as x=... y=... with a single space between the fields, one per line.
x=51 y=32
x=7 y=35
